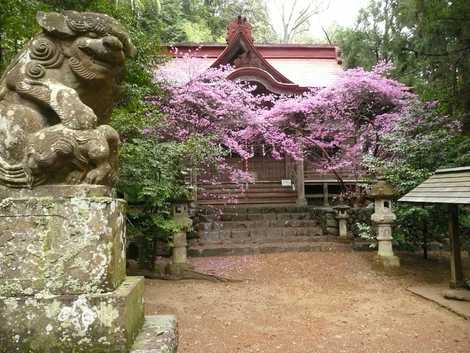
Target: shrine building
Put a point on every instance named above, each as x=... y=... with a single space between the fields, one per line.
x=289 y=69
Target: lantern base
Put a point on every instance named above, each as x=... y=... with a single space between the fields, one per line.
x=387 y=262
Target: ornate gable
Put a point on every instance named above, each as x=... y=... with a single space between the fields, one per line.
x=249 y=63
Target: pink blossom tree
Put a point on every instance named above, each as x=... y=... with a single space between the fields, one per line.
x=334 y=127
x=203 y=104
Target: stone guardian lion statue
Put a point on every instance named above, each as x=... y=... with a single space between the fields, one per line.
x=55 y=99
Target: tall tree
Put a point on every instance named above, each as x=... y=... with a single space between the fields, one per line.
x=138 y=6
x=429 y=42
x=218 y=13
x=294 y=16
x=369 y=42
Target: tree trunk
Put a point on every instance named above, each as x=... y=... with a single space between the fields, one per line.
x=464 y=42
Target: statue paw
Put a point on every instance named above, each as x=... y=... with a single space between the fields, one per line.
x=75 y=177
x=99 y=174
x=95 y=176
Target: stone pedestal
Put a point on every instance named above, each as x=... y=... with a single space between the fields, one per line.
x=179 y=261
x=342 y=217
x=63 y=284
x=331 y=223
x=385 y=256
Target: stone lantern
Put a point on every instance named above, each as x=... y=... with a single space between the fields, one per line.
x=179 y=253
x=342 y=217
x=383 y=217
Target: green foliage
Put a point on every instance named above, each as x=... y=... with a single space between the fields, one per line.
x=17 y=24
x=212 y=16
x=197 y=32
x=417 y=226
x=366 y=232
x=150 y=180
x=459 y=152
x=154 y=176
x=465 y=228
x=426 y=40
x=151 y=173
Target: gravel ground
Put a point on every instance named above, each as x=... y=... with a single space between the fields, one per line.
x=309 y=303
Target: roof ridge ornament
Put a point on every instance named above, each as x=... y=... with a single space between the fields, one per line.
x=239 y=25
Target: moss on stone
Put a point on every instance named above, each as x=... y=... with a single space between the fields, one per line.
x=100 y=323
x=62 y=245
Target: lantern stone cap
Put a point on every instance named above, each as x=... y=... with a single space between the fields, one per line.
x=382 y=189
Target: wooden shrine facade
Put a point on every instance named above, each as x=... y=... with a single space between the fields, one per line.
x=290 y=69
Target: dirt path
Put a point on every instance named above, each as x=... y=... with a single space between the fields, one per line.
x=309 y=303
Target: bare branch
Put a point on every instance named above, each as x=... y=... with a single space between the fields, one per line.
x=296 y=14
x=326 y=34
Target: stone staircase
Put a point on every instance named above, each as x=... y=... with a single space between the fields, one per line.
x=267 y=193
x=247 y=230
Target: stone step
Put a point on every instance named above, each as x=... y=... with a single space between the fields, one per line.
x=249 y=186
x=278 y=208
x=260 y=240
x=235 y=217
x=159 y=335
x=259 y=234
x=249 y=197
x=254 y=195
x=256 y=224
x=254 y=202
x=277 y=189
x=229 y=249
x=265 y=188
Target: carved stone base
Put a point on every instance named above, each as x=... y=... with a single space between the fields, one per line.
x=63 y=284
x=98 y=323
x=59 y=245
x=62 y=191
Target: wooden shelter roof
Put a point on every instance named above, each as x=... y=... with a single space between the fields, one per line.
x=449 y=186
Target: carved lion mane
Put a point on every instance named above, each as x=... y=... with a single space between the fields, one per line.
x=55 y=97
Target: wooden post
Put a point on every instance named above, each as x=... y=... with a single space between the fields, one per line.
x=456 y=272
x=326 y=202
x=194 y=185
x=300 y=183
x=287 y=169
x=425 y=237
